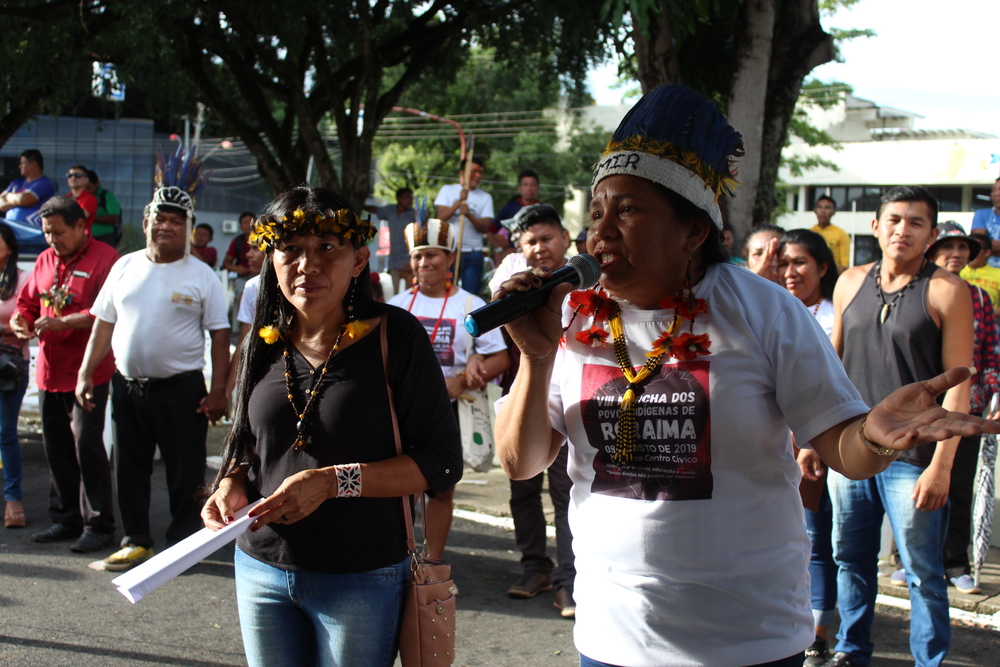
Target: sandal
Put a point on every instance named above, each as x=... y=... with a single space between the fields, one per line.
x=13 y=515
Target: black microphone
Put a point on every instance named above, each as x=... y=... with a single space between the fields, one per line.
x=580 y=271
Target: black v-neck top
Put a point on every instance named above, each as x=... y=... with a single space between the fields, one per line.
x=880 y=357
x=350 y=423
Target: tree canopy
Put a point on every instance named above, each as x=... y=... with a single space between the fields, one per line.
x=309 y=87
x=36 y=36
x=278 y=78
x=501 y=105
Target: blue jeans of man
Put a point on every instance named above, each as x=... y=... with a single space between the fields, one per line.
x=472 y=271
x=10 y=445
x=858 y=507
x=292 y=618
x=822 y=568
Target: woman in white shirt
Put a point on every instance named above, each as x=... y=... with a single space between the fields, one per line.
x=441 y=306
x=806 y=268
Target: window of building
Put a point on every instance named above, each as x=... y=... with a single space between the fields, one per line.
x=981 y=198
x=866 y=197
x=866 y=249
x=949 y=198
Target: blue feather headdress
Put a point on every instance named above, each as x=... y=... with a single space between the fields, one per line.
x=675 y=137
x=177 y=180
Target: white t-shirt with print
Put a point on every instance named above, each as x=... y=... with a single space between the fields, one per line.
x=160 y=313
x=481 y=205
x=699 y=555
x=451 y=339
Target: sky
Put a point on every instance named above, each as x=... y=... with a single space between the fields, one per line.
x=937 y=59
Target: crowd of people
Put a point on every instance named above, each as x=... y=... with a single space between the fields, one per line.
x=852 y=383
x=886 y=339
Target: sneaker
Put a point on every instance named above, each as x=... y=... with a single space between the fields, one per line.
x=898 y=578
x=564 y=603
x=817 y=654
x=530 y=585
x=92 y=540
x=123 y=559
x=57 y=532
x=965 y=584
x=840 y=660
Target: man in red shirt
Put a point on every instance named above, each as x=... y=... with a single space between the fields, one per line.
x=200 y=238
x=54 y=305
x=78 y=179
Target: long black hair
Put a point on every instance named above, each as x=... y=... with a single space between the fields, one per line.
x=8 y=277
x=273 y=309
x=816 y=246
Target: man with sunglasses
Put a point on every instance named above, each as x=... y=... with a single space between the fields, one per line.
x=78 y=180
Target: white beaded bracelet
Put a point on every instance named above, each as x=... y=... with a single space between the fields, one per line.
x=348 y=480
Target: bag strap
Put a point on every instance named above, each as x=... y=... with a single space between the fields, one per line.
x=411 y=544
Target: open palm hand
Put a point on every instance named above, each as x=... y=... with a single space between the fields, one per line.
x=911 y=416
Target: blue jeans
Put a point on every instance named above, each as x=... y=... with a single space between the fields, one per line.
x=10 y=446
x=822 y=568
x=472 y=271
x=858 y=507
x=296 y=618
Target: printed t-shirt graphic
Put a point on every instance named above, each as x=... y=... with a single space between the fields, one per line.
x=444 y=340
x=673 y=432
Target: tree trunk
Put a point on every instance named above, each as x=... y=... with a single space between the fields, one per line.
x=747 y=102
x=17 y=114
x=800 y=45
x=655 y=55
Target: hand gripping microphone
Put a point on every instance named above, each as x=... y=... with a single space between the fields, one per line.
x=580 y=271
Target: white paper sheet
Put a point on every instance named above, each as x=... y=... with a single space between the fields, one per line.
x=147 y=577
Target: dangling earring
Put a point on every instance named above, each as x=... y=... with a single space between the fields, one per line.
x=350 y=300
x=686 y=285
x=448 y=281
x=353 y=327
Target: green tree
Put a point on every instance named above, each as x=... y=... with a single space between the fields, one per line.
x=277 y=78
x=501 y=104
x=38 y=35
x=750 y=56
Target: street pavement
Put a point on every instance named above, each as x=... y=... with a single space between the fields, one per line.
x=54 y=611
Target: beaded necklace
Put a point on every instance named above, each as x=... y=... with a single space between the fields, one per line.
x=886 y=307
x=447 y=293
x=685 y=346
x=301 y=439
x=59 y=295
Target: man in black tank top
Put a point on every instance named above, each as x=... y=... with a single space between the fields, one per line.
x=898 y=321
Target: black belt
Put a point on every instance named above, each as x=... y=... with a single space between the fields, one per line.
x=144 y=384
